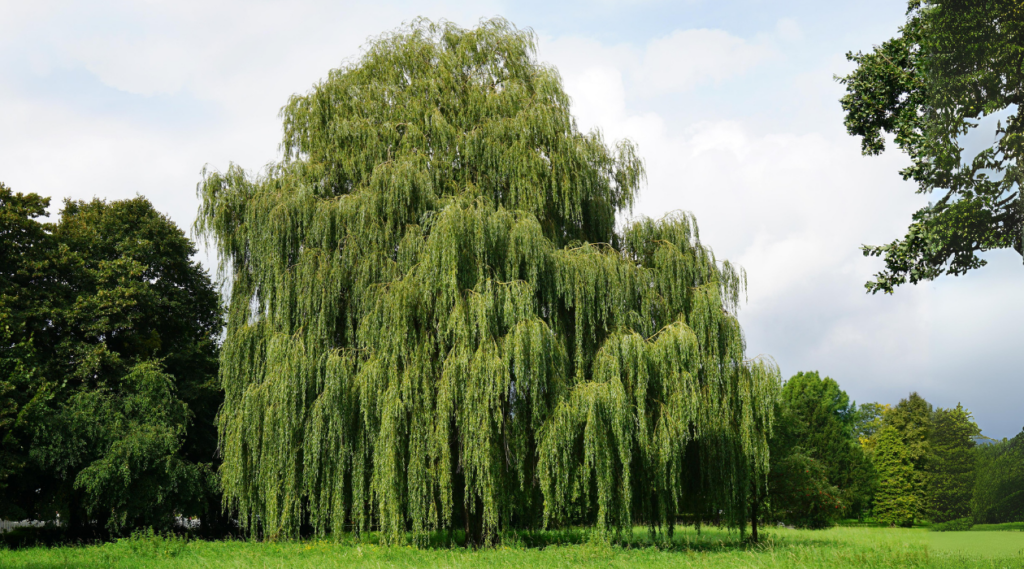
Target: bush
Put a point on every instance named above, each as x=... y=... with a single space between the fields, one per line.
x=150 y=543
x=959 y=524
x=801 y=495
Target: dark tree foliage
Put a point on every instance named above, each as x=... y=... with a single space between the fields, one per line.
x=798 y=489
x=818 y=402
x=800 y=492
x=108 y=364
x=25 y=247
x=951 y=465
x=952 y=63
x=815 y=426
x=434 y=323
x=999 y=487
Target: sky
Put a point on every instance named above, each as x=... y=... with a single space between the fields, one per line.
x=732 y=103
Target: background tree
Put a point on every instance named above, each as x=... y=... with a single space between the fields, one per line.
x=912 y=419
x=815 y=431
x=110 y=349
x=951 y=472
x=896 y=500
x=434 y=324
x=24 y=249
x=953 y=63
x=798 y=491
x=999 y=486
x=869 y=420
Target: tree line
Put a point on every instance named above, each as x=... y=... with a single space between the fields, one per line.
x=895 y=464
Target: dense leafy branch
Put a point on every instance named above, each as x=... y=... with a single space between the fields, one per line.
x=953 y=63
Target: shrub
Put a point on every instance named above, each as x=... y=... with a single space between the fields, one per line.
x=959 y=524
x=801 y=495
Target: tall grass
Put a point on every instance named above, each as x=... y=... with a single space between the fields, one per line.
x=710 y=549
x=1010 y=526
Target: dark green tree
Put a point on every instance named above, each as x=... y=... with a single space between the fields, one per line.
x=999 y=485
x=820 y=399
x=817 y=421
x=896 y=500
x=109 y=360
x=798 y=489
x=951 y=466
x=25 y=247
x=800 y=492
x=952 y=63
x=434 y=324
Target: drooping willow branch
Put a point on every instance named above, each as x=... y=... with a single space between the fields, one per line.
x=434 y=324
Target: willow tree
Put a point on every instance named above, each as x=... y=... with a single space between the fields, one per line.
x=434 y=323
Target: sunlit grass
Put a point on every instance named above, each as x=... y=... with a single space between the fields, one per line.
x=711 y=548
x=997 y=544
x=1012 y=526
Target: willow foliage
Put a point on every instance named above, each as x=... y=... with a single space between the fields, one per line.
x=435 y=324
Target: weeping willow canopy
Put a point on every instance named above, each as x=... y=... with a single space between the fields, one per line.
x=435 y=324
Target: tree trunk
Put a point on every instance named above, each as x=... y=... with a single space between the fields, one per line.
x=468 y=541
x=474 y=523
x=753 y=519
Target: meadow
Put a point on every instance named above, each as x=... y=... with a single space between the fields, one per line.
x=711 y=548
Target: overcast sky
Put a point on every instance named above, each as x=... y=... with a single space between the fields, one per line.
x=732 y=104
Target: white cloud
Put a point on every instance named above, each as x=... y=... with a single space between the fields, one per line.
x=599 y=94
x=675 y=63
x=689 y=58
x=141 y=66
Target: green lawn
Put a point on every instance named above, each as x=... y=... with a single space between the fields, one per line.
x=780 y=548
x=979 y=543
x=1012 y=526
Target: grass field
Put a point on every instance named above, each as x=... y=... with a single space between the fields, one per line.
x=997 y=544
x=1012 y=526
x=780 y=548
